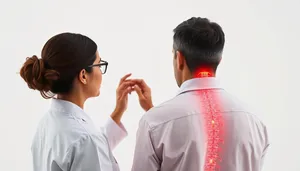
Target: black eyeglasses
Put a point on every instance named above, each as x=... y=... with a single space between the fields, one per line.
x=102 y=65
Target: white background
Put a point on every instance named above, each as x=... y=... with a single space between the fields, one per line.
x=259 y=63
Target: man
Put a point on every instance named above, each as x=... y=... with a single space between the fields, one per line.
x=202 y=128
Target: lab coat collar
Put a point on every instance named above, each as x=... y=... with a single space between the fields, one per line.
x=199 y=84
x=69 y=108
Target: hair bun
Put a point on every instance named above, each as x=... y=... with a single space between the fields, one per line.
x=36 y=75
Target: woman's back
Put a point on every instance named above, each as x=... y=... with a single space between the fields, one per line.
x=64 y=136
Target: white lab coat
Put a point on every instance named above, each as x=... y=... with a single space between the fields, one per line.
x=67 y=140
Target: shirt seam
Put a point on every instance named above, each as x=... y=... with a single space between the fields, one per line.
x=69 y=113
x=199 y=89
x=81 y=137
x=151 y=142
x=152 y=128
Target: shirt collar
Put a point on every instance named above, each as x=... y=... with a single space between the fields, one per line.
x=199 y=84
x=70 y=108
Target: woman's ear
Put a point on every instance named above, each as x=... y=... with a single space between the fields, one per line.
x=83 y=77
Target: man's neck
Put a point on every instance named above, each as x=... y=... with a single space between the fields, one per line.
x=200 y=73
x=204 y=74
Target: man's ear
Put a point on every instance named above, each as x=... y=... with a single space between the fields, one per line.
x=180 y=60
x=82 y=76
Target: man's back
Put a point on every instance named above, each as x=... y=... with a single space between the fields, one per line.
x=202 y=129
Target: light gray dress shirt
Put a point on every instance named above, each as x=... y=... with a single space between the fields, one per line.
x=203 y=128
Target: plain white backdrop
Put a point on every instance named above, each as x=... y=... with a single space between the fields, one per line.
x=260 y=64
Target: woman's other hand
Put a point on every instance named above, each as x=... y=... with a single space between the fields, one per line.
x=124 y=88
x=144 y=93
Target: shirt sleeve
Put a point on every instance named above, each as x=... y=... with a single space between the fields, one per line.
x=265 y=150
x=263 y=157
x=115 y=133
x=145 y=157
x=89 y=153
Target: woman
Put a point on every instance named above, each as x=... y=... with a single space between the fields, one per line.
x=66 y=139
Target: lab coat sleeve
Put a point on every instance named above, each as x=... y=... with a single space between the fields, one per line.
x=145 y=158
x=89 y=153
x=115 y=133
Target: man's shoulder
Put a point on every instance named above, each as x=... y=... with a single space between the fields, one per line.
x=164 y=113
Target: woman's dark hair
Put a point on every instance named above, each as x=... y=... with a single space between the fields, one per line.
x=63 y=57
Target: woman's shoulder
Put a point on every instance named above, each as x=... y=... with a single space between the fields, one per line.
x=76 y=133
x=64 y=131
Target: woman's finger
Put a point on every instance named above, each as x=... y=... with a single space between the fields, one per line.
x=125 y=92
x=124 y=78
x=138 y=91
x=124 y=85
x=142 y=84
